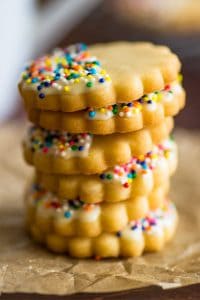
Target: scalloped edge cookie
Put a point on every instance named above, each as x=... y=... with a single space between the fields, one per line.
x=74 y=218
x=147 y=235
x=148 y=176
x=128 y=119
x=75 y=78
x=97 y=153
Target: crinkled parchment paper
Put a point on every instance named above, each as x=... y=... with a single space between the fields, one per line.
x=26 y=267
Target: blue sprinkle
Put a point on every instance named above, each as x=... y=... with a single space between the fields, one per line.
x=144 y=165
x=92 y=114
x=57 y=76
x=134 y=227
x=39 y=87
x=81 y=148
x=102 y=176
x=118 y=234
x=34 y=80
x=46 y=84
x=42 y=96
x=130 y=104
x=92 y=71
x=67 y=214
x=101 y=80
x=130 y=175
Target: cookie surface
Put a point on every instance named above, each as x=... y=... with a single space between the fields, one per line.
x=147 y=175
x=150 y=110
x=147 y=234
x=63 y=153
x=75 y=78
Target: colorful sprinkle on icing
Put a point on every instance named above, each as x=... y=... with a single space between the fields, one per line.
x=63 y=69
x=50 y=205
x=130 y=109
x=58 y=143
x=152 y=223
x=126 y=173
x=48 y=202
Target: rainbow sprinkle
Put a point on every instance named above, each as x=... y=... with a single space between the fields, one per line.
x=129 y=109
x=68 y=209
x=126 y=173
x=153 y=222
x=49 y=204
x=57 y=142
x=63 y=68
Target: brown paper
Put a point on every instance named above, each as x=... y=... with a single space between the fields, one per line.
x=26 y=267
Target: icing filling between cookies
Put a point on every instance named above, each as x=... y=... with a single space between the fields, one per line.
x=153 y=224
x=48 y=205
x=70 y=70
x=58 y=143
x=128 y=110
x=142 y=165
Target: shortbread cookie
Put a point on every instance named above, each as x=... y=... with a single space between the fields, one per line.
x=75 y=77
x=146 y=175
x=147 y=234
x=76 y=218
x=172 y=17
x=63 y=153
x=150 y=110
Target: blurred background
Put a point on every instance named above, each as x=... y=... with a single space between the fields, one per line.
x=29 y=28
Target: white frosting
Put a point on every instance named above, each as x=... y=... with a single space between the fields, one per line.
x=166 y=96
x=75 y=88
x=37 y=136
x=89 y=215
x=130 y=234
x=151 y=107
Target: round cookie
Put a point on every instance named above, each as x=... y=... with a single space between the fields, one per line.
x=62 y=153
x=150 y=110
x=76 y=218
x=78 y=77
x=149 y=234
x=146 y=175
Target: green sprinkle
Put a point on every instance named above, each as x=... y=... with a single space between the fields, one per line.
x=89 y=84
x=74 y=147
x=109 y=176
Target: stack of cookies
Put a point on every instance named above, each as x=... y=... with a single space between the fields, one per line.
x=101 y=148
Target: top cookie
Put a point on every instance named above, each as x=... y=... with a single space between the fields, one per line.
x=78 y=77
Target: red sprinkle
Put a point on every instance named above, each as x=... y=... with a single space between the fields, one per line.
x=126 y=185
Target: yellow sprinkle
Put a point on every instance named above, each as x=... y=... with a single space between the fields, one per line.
x=103 y=72
x=66 y=88
x=77 y=80
x=63 y=60
x=159 y=97
x=28 y=80
x=180 y=78
x=48 y=62
x=130 y=180
x=136 y=110
x=167 y=154
x=102 y=110
x=145 y=98
x=48 y=77
x=108 y=78
x=154 y=97
x=90 y=76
